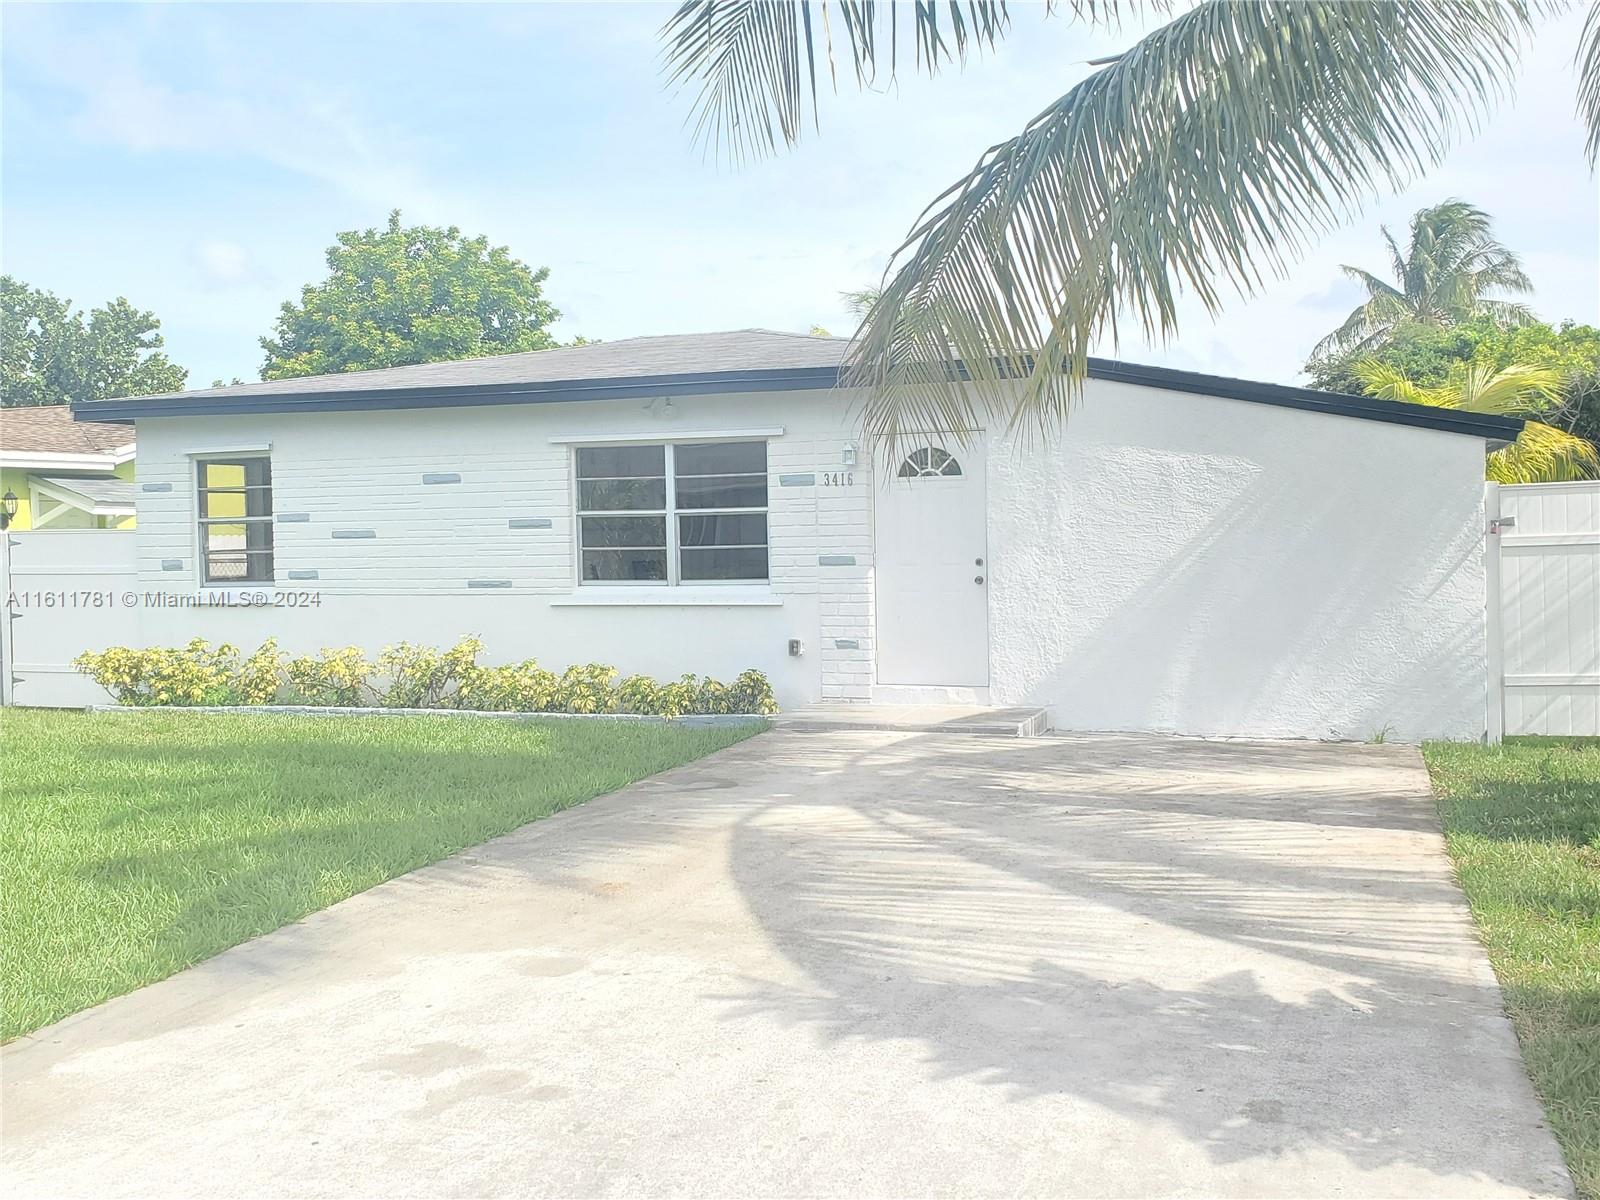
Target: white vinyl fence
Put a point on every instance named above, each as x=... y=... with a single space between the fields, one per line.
x=65 y=591
x=1545 y=656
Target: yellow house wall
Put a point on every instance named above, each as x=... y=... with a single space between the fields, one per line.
x=18 y=481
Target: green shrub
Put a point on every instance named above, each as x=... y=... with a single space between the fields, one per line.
x=639 y=694
x=405 y=676
x=712 y=698
x=752 y=693
x=421 y=677
x=676 y=699
x=194 y=675
x=260 y=677
x=522 y=687
x=336 y=677
x=587 y=689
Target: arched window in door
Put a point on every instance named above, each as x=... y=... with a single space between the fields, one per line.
x=928 y=461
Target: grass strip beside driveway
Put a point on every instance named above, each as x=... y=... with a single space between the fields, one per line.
x=1522 y=821
x=134 y=845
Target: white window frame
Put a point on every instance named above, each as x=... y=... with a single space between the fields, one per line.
x=198 y=461
x=670 y=514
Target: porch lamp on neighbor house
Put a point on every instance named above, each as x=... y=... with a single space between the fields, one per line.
x=8 y=509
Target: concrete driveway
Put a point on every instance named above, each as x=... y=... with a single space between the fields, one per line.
x=846 y=963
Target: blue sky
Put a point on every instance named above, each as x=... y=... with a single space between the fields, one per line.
x=198 y=159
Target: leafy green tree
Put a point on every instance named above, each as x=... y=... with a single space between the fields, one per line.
x=1201 y=161
x=1542 y=453
x=50 y=354
x=1445 y=276
x=1573 y=351
x=1428 y=355
x=410 y=294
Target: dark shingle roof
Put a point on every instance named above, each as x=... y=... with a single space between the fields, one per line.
x=740 y=361
x=629 y=358
x=50 y=429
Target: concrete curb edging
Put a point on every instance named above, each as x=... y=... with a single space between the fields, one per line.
x=310 y=710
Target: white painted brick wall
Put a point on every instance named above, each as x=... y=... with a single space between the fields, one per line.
x=363 y=471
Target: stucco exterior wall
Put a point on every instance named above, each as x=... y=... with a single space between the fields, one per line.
x=1208 y=566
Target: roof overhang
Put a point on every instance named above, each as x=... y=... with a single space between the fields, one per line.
x=1495 y=429
x=61 y=490
x=44 y=460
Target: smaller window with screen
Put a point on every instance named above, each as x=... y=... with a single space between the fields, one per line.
x=235 y=512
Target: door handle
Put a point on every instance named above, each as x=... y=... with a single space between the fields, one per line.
x=977 y=579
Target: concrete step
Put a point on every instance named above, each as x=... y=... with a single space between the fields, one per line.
x=971 y=720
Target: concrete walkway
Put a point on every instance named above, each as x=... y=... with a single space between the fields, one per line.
x=850 y=963
x=979 y=720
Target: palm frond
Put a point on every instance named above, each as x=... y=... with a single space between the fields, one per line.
x=1375 y=287
x=1390 y=383
x=860 y=300
x=1544 y=454
x=1475 y=387
x=1508 y=391
x=1397 y=260
x=1505 y=312
x=1368 y=324
x=1588 y=64
x=1202 y=159
x=756 y=60
x=1455 y=263
x=1541 y=454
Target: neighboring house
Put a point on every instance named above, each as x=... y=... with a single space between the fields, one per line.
x=66 y=474
x=1190 y=554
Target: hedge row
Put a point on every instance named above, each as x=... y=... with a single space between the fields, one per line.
x=404 y=676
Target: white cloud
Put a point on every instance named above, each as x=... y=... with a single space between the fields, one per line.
x=223 y=264
x=300 y=125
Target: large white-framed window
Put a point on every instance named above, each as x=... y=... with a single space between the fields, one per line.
x=672 y=513
x=234 y=506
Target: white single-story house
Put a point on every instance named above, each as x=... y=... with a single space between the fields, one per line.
x=1189 y=554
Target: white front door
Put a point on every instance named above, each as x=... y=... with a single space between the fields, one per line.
x=932 y=572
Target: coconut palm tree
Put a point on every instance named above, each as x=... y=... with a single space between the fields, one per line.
x=1203 y=158
x=1445 y=276
x=1541 y=454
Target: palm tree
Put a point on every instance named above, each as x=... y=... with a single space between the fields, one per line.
x=1204 y=158
x=860 y=300
x=1444 y=276
x=1541 y=454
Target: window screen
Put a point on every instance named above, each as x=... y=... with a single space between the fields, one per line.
x=668 y=514
x=235 y=507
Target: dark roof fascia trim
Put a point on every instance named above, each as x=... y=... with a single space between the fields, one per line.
x=456 y=396
x=1492 y=428
x=1448 y=420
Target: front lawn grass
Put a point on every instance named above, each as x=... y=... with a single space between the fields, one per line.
x=1522 y=821
x=133 y=845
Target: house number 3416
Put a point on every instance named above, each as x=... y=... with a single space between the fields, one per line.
x=838 y=479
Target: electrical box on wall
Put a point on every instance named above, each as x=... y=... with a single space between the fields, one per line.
x=796 y=648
